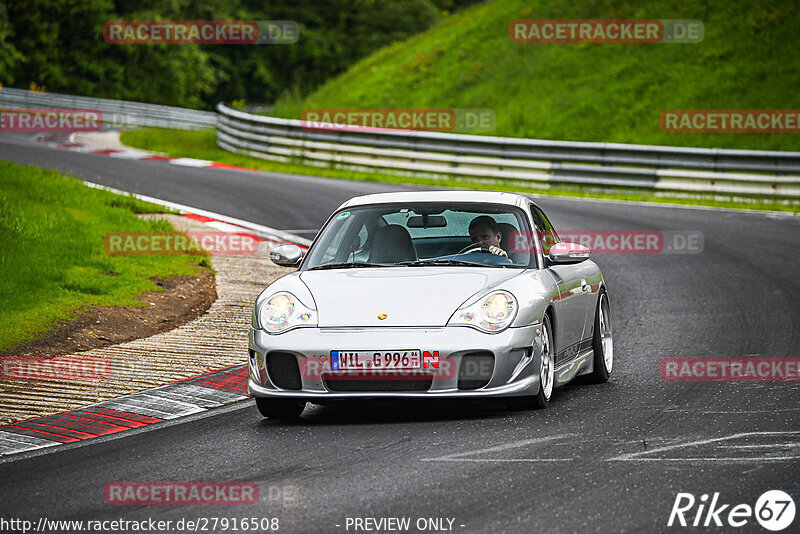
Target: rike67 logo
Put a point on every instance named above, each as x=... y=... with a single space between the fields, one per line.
x=774 y=510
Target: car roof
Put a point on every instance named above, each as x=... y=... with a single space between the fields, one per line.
x=491 y=197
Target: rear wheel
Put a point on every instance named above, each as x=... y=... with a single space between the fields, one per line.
x=280 y=408
x=602 y=341
x=547 y=374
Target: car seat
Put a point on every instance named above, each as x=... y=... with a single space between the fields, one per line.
x=392 y=244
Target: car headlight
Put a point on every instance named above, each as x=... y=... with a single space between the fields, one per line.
x=492 y=313
x=283 y=311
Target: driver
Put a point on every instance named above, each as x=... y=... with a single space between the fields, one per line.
x=485 y=231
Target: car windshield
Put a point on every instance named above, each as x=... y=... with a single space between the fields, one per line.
x=441 y=233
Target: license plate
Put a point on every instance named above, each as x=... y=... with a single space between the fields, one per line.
x=375 y=359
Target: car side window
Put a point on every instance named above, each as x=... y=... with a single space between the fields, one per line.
x=360 y=252
x=343 y=244
x=547 y=234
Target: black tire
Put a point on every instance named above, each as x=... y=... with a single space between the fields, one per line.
x=280 y=408
x=603 y=362
x=545 y=394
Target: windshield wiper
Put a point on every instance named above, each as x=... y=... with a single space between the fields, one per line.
x=347 y=265
x=418 y=263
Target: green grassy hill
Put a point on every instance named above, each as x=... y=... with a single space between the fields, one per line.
x=588 y=92
x=53 y=263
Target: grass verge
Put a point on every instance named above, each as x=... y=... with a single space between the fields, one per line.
x=52 y=259
x=201 y=144
x=610 y=93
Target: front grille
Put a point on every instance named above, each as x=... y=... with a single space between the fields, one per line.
x=475 y=370
x=358 y=383
x=283 y=370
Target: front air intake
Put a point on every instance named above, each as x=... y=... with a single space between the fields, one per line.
x=283 y=370
x=475 y=370
x=353 y=382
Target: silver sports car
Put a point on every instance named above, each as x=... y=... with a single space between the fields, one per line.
x=429 y=294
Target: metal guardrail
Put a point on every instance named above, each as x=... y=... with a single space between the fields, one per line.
x=115 y=112
x=691 y=170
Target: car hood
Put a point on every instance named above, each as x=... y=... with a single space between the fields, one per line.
x=408 y=296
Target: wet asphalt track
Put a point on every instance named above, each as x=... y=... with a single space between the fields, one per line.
x=607 y=458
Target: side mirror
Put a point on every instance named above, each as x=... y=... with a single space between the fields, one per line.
x=286 y=255
x=566 y=253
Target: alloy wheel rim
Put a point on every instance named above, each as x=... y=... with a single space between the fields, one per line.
x=606 y=337
x=547 y=371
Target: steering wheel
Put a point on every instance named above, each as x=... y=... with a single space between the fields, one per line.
x=473 y=247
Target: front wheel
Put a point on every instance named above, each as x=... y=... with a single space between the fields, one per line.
x=547 y=373
x=602 y=342
x=280 y=408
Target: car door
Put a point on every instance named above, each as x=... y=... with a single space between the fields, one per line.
x=593 y=276
x=571 y=302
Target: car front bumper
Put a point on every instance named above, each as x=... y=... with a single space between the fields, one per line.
x=514 y=370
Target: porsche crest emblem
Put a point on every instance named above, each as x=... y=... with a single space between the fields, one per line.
x=382 y=316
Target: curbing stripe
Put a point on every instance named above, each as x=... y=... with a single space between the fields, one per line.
x=202 y=394
x=110 y=421
x=185 y=397
x=265 y=232
x=179 y=407
x=85 y=425
x=127 y=416
x=37 y=434
x=11 y=443
x=148 y=406
x=141 y=154
x=190 y=162
x=231 y=382
x=53 y=426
